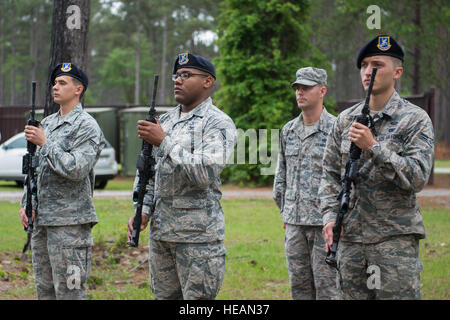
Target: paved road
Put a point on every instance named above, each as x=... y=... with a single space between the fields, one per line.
x=245 y=193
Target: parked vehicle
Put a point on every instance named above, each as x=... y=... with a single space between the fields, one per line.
x=12 y=151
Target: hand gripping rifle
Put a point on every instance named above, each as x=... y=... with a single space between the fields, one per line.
x=146 y=168
x=351 y=172
x=29 y=164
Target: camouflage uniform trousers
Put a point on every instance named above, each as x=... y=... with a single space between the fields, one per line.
x=310 y=277
x=385 y=270
x=189 y=271
x=62 y=257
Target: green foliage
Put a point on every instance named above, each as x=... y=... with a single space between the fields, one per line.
x=117 y=71
x=261 y=45
x=24 y=48
x=340 y=31
x=114 y=26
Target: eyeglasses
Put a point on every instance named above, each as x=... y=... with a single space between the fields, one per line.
x=186 y=75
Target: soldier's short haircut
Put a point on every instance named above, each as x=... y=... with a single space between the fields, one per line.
x=78 y=83
x=397 y=62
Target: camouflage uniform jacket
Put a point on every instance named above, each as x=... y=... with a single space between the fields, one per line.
x=65 y=176
x=299 y=170
x=383 y=203
x=184 y=194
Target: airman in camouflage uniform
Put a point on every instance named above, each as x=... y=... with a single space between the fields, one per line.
x=69 y=144
x=299 y=169
x=187 y=227
x=378 y=255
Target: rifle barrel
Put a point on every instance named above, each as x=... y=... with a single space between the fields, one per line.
x=33 y=99
x=155 y=87
x=351 y=171
x=369 y=89
x=145 y=165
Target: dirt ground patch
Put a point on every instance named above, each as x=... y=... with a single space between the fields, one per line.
x=15 y=274
x=131 y=261
x=17 y=279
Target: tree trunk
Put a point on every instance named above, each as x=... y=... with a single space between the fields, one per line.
x=69 y=40
x=137 y=87
x=34 y=22
x=12 y=100
x=417 y=52
x=41 y=56
x=442 y=116
x=162 y=92
x=2 y=53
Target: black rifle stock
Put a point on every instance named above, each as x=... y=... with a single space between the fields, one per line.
x=146 y=168
x=351 y=172
x=29 y=164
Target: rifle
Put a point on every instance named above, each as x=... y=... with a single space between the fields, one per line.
x=146 y=168
x=29 y=163
x=351 y=172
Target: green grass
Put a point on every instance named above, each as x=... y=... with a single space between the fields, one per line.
x=113 y=216
x=255 y=264
x=442 y=163
x=435 y=255
x=12 y=236
x=120 y=184
x=6 y=185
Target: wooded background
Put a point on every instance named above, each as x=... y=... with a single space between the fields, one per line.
x=255 y=45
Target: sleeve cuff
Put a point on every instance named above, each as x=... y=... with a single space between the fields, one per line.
x=329 y=217
x=23 y=201
x=146 y=210
x=166 y=146
x=45 y=150
x=380 y=155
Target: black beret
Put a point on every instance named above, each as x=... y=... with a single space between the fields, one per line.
x=71 y=70
x=189 y=60
x=381 y=45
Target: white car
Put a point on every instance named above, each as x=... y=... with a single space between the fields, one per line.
x=12 y=151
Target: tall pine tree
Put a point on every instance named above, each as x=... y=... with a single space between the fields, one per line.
x=69 y=40
x=261 y=45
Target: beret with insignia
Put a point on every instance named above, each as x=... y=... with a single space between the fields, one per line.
x=381 y=45
x=71 y=70
x=189 y=60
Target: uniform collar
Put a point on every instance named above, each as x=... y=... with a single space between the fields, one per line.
x=299 y=125
x=201 y=109
x=73 y=114
x=391 y=105
x=389 y=108
x=198 y=111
